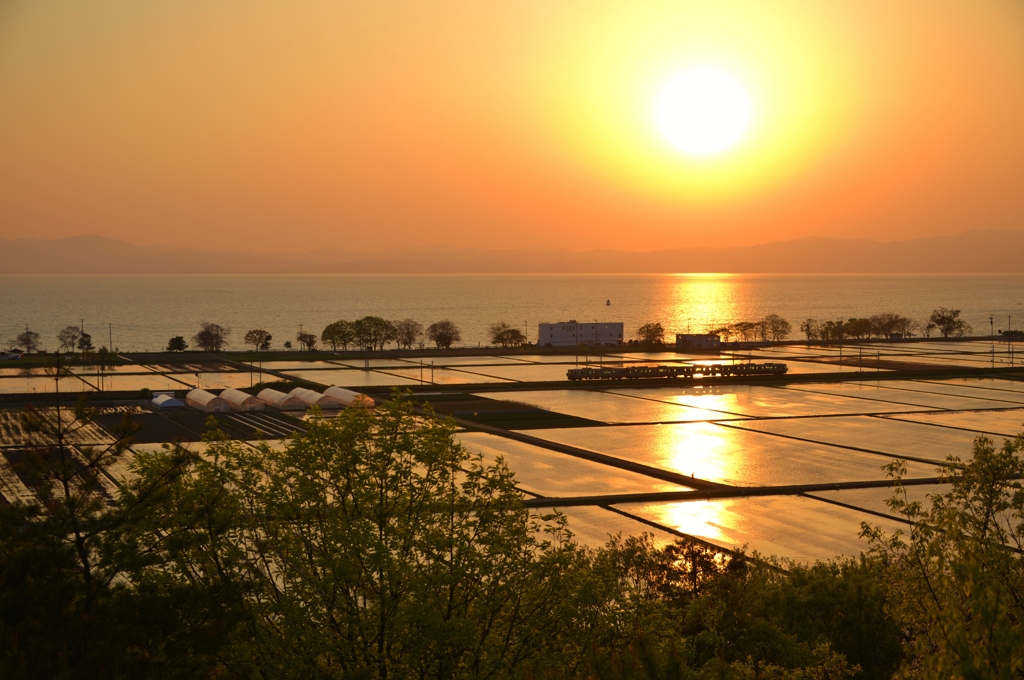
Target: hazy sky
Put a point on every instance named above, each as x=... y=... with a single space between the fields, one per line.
x=300 y=124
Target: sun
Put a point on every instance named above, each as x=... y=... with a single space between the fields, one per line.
x=703 y=111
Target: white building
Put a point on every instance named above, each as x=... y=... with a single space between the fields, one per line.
x=572 y=333
x=697 y=341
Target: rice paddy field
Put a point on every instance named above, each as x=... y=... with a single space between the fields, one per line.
x=792 y=469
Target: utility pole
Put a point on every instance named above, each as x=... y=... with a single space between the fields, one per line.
x=992 y=334
x=110 y=328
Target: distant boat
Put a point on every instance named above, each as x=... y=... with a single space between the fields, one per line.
x=607 y=303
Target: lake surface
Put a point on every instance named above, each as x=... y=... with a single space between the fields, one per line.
x=142 y=312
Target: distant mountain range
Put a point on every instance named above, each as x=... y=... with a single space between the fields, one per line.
x=982 y=251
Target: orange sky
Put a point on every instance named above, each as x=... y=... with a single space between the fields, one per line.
x=294 y=125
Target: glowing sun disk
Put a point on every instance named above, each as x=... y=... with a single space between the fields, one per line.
x=703 y=111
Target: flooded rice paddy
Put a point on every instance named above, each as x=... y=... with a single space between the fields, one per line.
x=667 y=443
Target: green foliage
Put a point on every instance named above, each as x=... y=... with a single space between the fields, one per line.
x=957 y=576
x=375 y=546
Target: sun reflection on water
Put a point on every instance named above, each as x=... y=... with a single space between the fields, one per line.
x=702 y=450
x=701 y=302
x=711 y=520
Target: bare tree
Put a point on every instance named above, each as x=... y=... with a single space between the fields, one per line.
x=811 y=329
x=68 y=338
x=776 y=328
x=443 y=334
x=211 y=337
x=407 y=332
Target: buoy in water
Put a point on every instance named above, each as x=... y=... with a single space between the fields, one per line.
x=607 y=303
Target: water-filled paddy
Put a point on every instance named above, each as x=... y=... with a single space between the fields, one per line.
x=549 y=473
x=760 y=401
x=887 y=397
x=729 y=455
x=889 y=437
x=609 y=408
x=1005 y=423
x=593 y=526
x=352 y=378
x=875 y=500
x=801 y=529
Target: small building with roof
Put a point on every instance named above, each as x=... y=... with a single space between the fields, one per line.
x=207 y=402
x=241 y=401
x=280 y=401
x=705 y=342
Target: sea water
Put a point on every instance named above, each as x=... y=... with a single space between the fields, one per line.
x=137 y=313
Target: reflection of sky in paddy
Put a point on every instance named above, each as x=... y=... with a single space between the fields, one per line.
x=760 y=401
x=607 y=407
x=350 y=378
x=375 y=363
x=991 y=387
x=1004 y=423
x=728 y=455
x=895 y=437
x=522 y=372
x=556 y=474
x=802 y=529
x=466 y=361
x=592 y=526
x=1006 y=397
x=442 y=376
x=875 y=499
x=25 y=372
x=41 y=385
x=288 y=365
x=888 y=398
x=544 y=358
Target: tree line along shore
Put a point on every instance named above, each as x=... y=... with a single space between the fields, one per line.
x=375 y=333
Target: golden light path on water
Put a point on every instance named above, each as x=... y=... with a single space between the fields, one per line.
x=700 y=302
x=704 y=451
